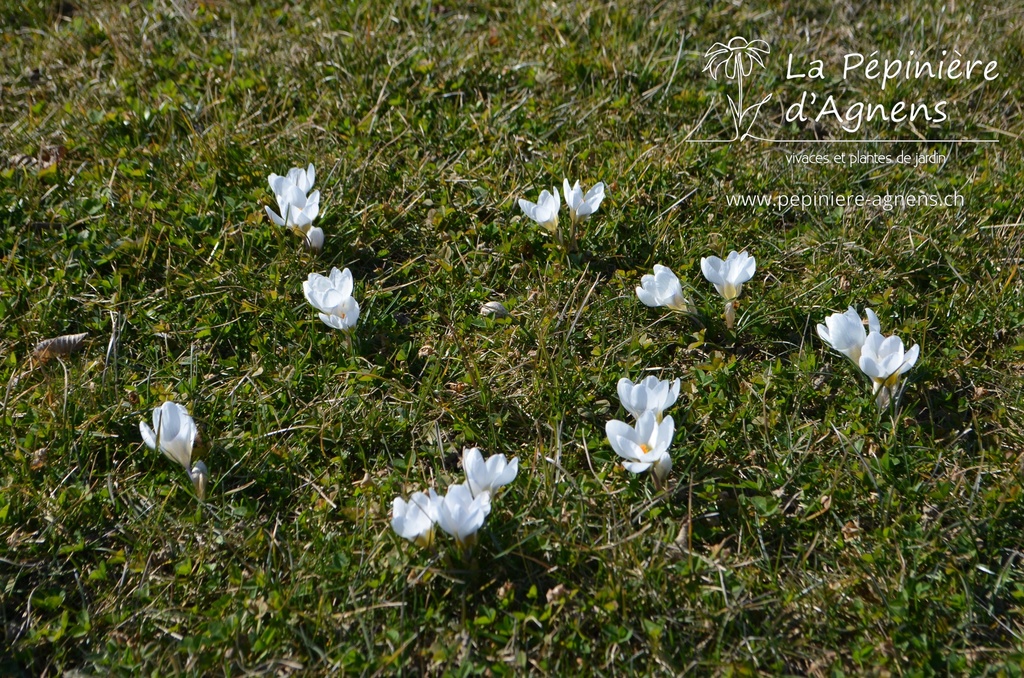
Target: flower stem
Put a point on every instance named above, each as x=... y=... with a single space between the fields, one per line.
x=739 y=80
x=730 y=314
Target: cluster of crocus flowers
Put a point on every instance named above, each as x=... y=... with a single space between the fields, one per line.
x=332 y=296
x=298 y=206
x=883 y=359
x=664 y=289
x=728 y=276
x=174 y=434
x=581 y=205
x=464 y=507
x=644 y=446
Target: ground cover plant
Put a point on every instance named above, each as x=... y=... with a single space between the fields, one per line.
x=802 y=528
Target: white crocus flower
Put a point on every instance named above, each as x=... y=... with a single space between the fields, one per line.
x=200 y=478
x=298 y=210
x=884 y=360
x=663 y=289
x=650 y=395
x=545 y=211
x=332 y=296
x=460 y=514
x=845 y=332
x=728 y=277
x=173 y=433
x=582 y=206
x=487 y=476
x=298 y=206
x=644 y=446
x=414 y=519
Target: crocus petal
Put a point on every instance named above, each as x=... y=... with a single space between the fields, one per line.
x=177 y=450
x=645 y=296
x=717 y=49
x=711 y=268
x=646 y=442
x=495 y=465
x=280 y=186
x=474 y=468
x=508 y=475
x=148 y=436
x=592 y=200
x=624 y=440
x=274 y=217
x=673 y=392
x=309 y=291
x=342 y=281
x=910 y=359
x=570 y=195
x=312 y=207
x=646 y=424
x=547 y=207
x=666 y=430
x=295 y=196
x=873 y=324
x=625 y=390
x=742 y=267
x=636 y=466
x=824 y=334
x=297 y=177
x=619 y=429
x=529 y=208
x=169 y=423
x=883 y=357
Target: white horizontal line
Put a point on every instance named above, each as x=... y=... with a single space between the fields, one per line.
x=853 y=141
x=881 y=141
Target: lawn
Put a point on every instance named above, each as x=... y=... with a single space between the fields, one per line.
x=802 y=529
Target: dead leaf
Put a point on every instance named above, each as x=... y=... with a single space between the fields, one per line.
x=50 y=156
x=38 y=459
x=556 y=595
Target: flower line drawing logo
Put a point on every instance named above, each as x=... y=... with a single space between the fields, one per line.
x=738 y=57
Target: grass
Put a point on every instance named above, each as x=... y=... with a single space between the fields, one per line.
x=802 y=530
